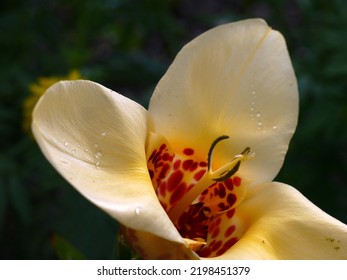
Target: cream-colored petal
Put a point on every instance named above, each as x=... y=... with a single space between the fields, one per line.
x=96 y=139
x=235 y=80
x=283 y=224
x=152 y=247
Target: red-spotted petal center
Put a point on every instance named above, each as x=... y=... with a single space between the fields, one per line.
x=200 y=202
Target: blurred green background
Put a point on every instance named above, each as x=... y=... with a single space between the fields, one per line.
x=127 y=46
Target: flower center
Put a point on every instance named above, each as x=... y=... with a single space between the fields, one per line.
x=199 y=201
x=208 y=179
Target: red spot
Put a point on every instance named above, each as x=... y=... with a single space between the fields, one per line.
x=227 y=246
x=162 y=147
x=151 y=173
x=216 y=246
x=162 y=190
x=231 y=199
x=204 y=193
x=203 y=163
x=230 y=231
x=221 y=192
x=222 y=206
x=164 y=171
x=198 y=175
x=155 y=158
x=229 y=184
x=205 y=252
x=188 y=151
x=175 y=179
x=166 y=156
x=215 y=191
x=212 y=243
x=178 y=193
x=212 y=227
x=193 y=167
x=231 y=213
x=177 y=164
x=237 y=181
x=152 y=155
x=215 y=232
x=187 y=163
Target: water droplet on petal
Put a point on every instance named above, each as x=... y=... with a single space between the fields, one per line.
x=96 y=145
x=97 y=165
x=274 y=127
x=66 y=144
x=137 y=210
x=98 y=154
x=73 y=151
x=258 y=115
x=103 y=133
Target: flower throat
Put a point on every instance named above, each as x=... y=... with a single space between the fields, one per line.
x=193 y=194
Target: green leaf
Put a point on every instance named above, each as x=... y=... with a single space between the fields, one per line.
x=19 y=195
x=123 y=250
x=3 y=201
x=65 y=250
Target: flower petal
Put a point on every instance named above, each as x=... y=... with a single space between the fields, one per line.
x=235 y=80
x=283 y=224
x=152 y=247
x=96 y=139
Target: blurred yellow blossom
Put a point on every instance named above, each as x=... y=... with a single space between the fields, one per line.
x=36 y=90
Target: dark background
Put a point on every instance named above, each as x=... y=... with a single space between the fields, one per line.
x=127 y=46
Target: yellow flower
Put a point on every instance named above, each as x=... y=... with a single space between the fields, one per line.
x=36 y=90
x=192 y=177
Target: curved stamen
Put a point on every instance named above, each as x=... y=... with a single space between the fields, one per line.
x=210 y=151
x=209 y=178
x=231 y=168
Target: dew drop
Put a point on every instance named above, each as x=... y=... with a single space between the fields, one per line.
x=274 y=127
x=98 y=154
x=252 y=109
x=86 y=150
x=259 y=124
x=97 y=165
x=66 y=144
x=96 y=145
x=137 y=210
x=253 y=92
x=103 y=133
x=258 y=115
x=73 y=151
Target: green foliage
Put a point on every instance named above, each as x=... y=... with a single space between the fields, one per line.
x=127 y=46
x=65 y=250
